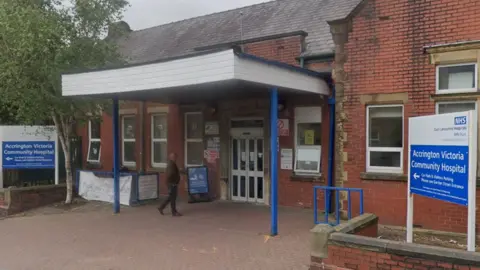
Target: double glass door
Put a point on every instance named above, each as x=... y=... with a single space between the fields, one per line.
x=247 y=183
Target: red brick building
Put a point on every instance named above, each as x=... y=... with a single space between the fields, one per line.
x=289 y=32
x=395 y=60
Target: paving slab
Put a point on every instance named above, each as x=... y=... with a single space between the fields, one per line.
x=215 y=235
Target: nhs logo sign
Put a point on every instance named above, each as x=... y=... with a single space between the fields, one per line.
x=460 y=120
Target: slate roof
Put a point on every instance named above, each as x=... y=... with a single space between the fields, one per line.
x=270 y=18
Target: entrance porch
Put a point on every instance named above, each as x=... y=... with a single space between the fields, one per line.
x=238 y=99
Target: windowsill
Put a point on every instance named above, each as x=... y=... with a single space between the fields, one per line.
x=446 y=96
x=307 y=177
x=384 y=176
x=158 y=169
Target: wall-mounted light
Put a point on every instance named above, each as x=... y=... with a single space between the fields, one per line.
x=212 y=109
x=281 y=105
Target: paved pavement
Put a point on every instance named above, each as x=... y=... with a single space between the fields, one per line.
x=210 y=236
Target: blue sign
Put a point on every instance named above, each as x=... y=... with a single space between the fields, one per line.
x=197 y=180
x=28 y=155
x=440 y=172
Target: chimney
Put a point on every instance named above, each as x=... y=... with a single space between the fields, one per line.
x=118 y=29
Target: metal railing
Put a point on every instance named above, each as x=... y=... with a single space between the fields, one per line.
x=327 y=195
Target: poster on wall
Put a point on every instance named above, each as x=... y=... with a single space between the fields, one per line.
x=309 y=137
x=283 y=127
x=212 y=128
x=286 y=159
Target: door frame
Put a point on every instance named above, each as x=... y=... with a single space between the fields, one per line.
x=230 y=159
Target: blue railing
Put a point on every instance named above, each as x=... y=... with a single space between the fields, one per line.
x=327 y=196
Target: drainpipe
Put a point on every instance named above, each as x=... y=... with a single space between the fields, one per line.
x=302 y=62
x=331 y=148
x=142 y=136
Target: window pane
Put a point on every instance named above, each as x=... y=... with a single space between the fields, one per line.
x=455 y=107
x=159 y=152
x=309 y=134
x=385 y=159
x=159 y=126
x=194 y=126
x=260 y=187
x=95 y=129
x=260 y=155
x=457 y=77
x=94 y=151
x=308 y=160
x=129 y=151
x=194 y=153
x=129 y=127
x=386 y=127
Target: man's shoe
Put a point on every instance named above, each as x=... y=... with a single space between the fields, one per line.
x=176 y=214
x=160 y=210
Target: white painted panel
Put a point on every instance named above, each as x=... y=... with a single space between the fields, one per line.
x=253 y=71
x=183 y=72
x=95 y=188
x=148 y=187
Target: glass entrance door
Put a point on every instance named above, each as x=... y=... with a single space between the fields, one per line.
x=247 y=182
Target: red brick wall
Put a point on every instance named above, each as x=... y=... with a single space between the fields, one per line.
x=354 y=258
x=285 y=50
x=385 y=55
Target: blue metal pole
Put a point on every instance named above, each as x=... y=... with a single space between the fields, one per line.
x=273 y=161
x=116 y=158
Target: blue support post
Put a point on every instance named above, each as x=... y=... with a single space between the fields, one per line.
x=273 y=161
x=116 y=158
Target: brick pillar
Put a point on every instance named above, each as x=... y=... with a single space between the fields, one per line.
x=340 y=31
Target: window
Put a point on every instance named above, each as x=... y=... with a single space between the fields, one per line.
x=193 y=139
x=159 y=140
x=94 y=144
x=385 y=139
x=128 y=140
x=452 y=107
x=457 y=78
x=308 y=137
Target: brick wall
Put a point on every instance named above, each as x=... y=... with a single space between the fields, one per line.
x=385 y=55
x=356 y=258
x=25 y=198
x=348 y=247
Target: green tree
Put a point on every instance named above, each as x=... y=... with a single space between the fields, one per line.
x=41 y=39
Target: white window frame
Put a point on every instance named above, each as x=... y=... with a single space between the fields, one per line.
x=307 y=120
x=187 y=140
x=437 y=104
x=154 y=140
x=378 y=169
x=90 y=141
x=124 y=140
x=448 y=91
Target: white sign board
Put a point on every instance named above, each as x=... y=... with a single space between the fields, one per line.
x=286 y=158
x=442 y=163
x=148 y=187
x=94 y=188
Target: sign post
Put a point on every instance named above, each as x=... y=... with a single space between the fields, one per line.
x=442 y=163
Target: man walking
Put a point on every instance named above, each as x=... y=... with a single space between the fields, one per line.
x=173 y=178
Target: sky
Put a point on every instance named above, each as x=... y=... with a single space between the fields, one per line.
x=147 y=13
